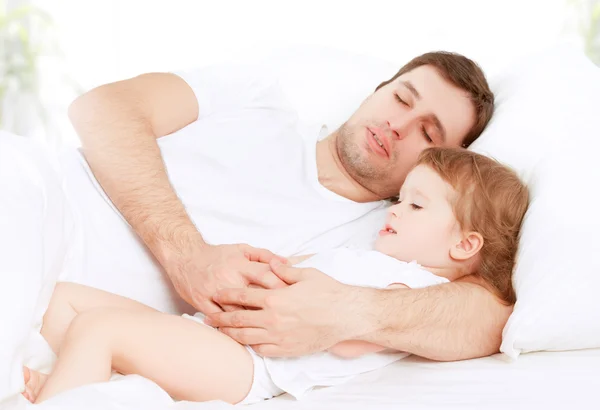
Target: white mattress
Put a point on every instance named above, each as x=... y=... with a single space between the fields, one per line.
x=535 y=381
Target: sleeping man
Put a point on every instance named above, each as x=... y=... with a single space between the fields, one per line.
x=204 y=177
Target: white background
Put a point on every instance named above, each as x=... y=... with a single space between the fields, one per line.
x=108 y=40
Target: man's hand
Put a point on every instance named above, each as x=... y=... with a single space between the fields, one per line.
x=309 y=316
x=452 y=321
x=204 y=270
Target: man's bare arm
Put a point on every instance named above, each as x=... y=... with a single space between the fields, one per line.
x=356 y=348
x=448 y=322
x=118 y=124
x=453 y=321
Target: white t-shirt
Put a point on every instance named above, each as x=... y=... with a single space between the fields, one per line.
x=246 y=173
x=357 y=267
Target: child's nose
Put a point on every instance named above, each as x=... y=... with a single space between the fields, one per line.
x=396 y=210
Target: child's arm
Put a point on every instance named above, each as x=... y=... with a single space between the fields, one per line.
x=355 y=348
x=350 y=349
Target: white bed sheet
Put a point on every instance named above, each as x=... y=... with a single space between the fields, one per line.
x=535 y=381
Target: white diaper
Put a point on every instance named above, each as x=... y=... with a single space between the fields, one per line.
x=263 y=387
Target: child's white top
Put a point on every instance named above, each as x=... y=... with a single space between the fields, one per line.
x=358 y=267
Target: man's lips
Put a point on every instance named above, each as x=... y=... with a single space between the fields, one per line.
x=380 y=134
x=374 y=145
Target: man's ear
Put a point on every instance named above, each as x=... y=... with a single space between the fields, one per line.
x=468 y=247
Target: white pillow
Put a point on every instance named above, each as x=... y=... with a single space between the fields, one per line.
x=36 y=231
x=326 y=85
x=545 y=127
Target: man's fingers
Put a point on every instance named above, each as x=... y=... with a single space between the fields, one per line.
x=260 y=274
x=231 y=308
x=252 y=297
x=238 y=319
x=261 y=255
x=257 y=267
x=246 y=336
x=287 y=273
x=207 y=306
x=268 y=280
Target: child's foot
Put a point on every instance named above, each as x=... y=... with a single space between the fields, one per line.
x=34 y=381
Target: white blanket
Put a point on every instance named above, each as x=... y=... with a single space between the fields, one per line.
x=36 y=233
x=535 y=381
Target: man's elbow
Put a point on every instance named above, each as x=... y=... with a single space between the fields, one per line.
x=484 y=339
x=77 y=110
x=490 y=335
x=88 y=107
x=96 y=101
x=114 y=104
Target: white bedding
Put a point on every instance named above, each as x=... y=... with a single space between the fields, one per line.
x=540 y=380
x=534 y=381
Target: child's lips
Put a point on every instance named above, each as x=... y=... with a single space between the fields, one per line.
x=388 y=230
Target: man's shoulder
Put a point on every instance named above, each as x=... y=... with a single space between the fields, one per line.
x=227 y=86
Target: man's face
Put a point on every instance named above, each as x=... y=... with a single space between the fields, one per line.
x=382 y=140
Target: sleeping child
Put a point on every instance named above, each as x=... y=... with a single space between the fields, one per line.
x=458 y=215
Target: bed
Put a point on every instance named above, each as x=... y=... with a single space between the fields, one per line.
x=543 y=380
x=537 y=380
x=556 y=282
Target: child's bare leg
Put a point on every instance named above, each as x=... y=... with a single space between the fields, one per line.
x=70 y=299
x=190 y=361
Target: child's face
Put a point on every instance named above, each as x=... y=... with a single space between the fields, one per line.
x=422 y=225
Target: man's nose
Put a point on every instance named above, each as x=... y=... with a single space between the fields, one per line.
x=400 y=127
